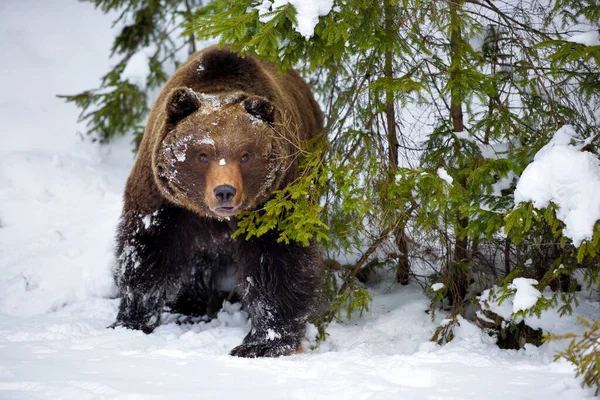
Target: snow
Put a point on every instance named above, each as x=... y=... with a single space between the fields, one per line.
x=180 y=152
x=308 y=13
x=437 y=286
x=137 y=69
x=503 y=184
x=589 y=38
x=147 y=220
x=209 y=103
x=207 y=140
x=463 y=135
x=562 y=174
x=526 y=295
x=60 y=200
x=550 y=321
x=68 y=354
x=272 y=335
x=443 y=174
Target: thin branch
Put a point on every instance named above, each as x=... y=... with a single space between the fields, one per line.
x=358 y=266
x=589 y=146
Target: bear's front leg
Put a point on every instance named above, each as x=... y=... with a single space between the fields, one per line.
x=151 y=251
x=279 y=285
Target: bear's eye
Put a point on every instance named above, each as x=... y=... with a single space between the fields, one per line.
x=203 y=158
x=245 y=158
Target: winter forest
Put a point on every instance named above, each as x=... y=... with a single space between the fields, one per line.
x=455 y=202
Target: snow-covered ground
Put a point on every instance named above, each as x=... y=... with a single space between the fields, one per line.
x=60 y=199
x=68 y=354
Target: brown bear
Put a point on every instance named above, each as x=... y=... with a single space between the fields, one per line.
x=222 y=136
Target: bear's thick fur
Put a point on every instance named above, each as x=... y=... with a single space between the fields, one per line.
x=221 y=137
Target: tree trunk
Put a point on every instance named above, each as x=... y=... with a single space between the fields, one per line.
x=457 y=269
x=403 y=266
x=191 y=38
x=507 y=256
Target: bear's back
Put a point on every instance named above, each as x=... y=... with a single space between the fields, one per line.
x=215 y=70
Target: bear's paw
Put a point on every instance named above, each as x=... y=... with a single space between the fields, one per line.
x=254 y=348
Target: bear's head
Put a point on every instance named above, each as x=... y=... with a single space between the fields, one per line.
x=220 y=154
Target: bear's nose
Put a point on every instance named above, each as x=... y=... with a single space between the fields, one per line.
x=224 y=193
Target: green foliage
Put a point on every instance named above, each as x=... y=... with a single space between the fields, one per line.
x=445 y=332
x=355 y=298
x=118 y=106
x=519 y=221
x=112 y=112
x=437 y=297
x=294 y=210
x=535 y=229
x=584 y=353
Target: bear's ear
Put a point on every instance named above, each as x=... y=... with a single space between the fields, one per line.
x=181 y=103
x=260 y=108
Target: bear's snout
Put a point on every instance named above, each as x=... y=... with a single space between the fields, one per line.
x=224 y=189
x=224 y=194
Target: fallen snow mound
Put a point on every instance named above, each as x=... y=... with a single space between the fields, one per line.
x=562 y=174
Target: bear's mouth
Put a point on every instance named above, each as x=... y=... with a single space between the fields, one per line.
x=226 y=211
